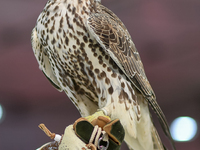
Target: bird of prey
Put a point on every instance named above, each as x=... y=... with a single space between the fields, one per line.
x=85 y=50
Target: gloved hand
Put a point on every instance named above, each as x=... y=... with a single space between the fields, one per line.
x=97 y=134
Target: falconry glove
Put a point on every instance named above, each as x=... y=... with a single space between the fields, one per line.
x=99 y=134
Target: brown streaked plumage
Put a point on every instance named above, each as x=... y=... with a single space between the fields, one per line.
x=84 y=49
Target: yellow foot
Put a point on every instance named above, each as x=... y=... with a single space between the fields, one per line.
x=98 y=118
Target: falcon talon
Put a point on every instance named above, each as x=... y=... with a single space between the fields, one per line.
x=96 y=115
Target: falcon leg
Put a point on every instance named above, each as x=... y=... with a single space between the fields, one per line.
x=96 y=115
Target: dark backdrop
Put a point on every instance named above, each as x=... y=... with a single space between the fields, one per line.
x=166 y=33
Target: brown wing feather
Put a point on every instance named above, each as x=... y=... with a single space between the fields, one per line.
x=113 y=36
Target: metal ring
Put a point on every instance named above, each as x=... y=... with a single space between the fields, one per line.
x=101 y=147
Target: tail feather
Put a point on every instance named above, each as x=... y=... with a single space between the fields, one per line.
x=162 y=119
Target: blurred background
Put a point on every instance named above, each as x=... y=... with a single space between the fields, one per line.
x=167 y=36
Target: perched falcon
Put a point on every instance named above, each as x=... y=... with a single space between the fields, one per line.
x=85 y=50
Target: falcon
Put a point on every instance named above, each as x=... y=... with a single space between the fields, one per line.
x=85 y=50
